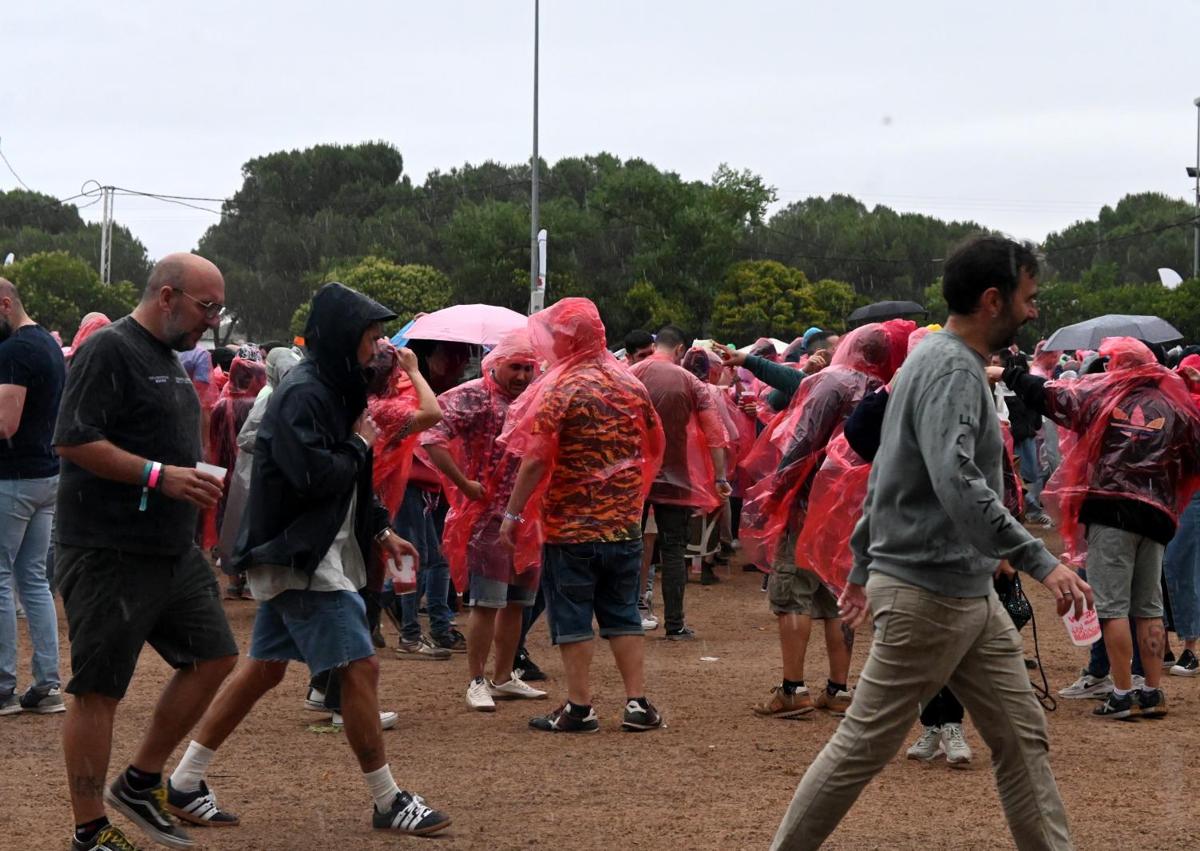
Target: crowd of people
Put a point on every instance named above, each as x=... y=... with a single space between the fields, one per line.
x=890 y=473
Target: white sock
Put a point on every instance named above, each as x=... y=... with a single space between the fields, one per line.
x=1121 y=692
x=192 y=768
x=383 y=787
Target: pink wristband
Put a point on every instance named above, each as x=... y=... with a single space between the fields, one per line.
x=155 y=473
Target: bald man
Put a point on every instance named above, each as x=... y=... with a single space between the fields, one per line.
x=127 y=564
x=31 y=383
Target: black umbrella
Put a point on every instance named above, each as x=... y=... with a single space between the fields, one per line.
x=881 y=311
x=1089 y=333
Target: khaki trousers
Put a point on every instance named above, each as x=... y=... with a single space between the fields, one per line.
x=922 y=642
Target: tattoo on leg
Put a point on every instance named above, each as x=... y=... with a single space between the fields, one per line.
x=1156 y=640
x=87 y=787
x=847 y=636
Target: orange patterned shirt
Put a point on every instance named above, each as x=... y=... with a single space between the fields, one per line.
x=595 y=491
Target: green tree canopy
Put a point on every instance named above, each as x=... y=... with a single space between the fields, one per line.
x=407 y=290
x=57 y=289
x=764 y=297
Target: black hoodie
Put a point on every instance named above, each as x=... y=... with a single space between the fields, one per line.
x=307 y=463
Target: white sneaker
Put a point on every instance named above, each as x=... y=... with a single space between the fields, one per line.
x=649 y=622
x=1088 y=686
x=954 y=742
x=1139 y=682
x=515 y=689
x=928 y=746
x=479 y=696
x=387 y=720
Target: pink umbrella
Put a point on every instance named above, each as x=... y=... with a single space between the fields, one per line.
x=477 y=324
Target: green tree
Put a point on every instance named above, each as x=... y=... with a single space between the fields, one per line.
x=764 y=297
x=58 y=289
x=407 y=290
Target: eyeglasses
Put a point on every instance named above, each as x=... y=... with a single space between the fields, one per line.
x=211 y=309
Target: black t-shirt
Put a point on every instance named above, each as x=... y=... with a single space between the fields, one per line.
x=32 y=359
x=127 y=387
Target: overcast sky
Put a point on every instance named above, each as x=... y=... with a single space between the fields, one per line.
x=1024 y=116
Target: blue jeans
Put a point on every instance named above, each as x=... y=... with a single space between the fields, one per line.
x=419 y=521
x=1031 y=473
x=597 y=579
x=26 y=515
x=1181 y=567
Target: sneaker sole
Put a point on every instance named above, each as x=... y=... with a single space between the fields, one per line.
x=12 y=710
x=1124 y=715
x=313 y=706
x=199 y=822
x=422 y=831
x=641 y=728
x=586 y=730
x=787 y=714
x=541 y=696
x=1089 y=695
x=925 y=759
x=482 y=707
x=1184 y=672
x=150 y=830
x=958 y=763
x=420 y=657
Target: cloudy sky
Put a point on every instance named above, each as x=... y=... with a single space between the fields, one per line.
x=1025 y=116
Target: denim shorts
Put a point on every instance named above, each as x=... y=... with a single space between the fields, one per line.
x=598 y=578
x=323 y=629
x=496 y=594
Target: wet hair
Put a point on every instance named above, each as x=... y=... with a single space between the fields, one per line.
x=981 y=262
x=671 y=336
x=637 y=340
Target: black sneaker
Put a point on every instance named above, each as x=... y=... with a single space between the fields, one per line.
x=1151 y=702
x=525 y=668
x=638 y=719
x=45 y=701
x=684 y=633
x=707 y=577
x=1168 y=660
x=148 y=810
x=109 y=838
x=1187 y=666
x=562 y=721
x=454 y=641
x=1115 y=707
x=199 y=807
x=409 y=814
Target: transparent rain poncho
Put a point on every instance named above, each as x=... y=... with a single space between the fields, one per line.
x=612 y=430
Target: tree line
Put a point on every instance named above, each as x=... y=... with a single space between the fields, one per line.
x=646 y=245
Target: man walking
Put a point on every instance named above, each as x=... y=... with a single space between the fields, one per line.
x=304 y=542
x=127 y=564
x=590 y=444
x=465 y=447
x=692 y=475
x=31 y=383
x=933 y=530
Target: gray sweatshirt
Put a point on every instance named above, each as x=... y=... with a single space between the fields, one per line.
x=933 y=515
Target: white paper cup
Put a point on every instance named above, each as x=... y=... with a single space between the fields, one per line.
x=212 y=470
x=1084 y=631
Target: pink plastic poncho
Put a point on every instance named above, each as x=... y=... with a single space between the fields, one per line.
x=91 y=323
x=473 y=417
x=246 y=378
x=688 y=411
x=838 y=492
x=393 y=411
x=1138 y=432
x=863 y=361
x=569 y=337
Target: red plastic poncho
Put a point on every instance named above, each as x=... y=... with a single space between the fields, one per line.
x=692 y=425
x=393 y=410
x=1044 y=361
x=473 y=417
x=1138 y=431
x=863 y=361
x=91 y=323
x=1191 y=362
x=593 y=425
x=840 y=488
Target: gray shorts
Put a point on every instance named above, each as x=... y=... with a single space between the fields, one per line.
x=792 y=590
x=496 y=594
x=1125 y=572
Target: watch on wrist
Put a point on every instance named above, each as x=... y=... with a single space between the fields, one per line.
x=380 y=537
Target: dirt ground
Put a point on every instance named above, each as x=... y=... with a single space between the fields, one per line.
x=717 y=777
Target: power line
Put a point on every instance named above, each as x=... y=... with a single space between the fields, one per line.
x=14 y=172
x=1111 y=239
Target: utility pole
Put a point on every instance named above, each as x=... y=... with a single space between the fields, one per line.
x=536 y=295
x=1196 y=174
x=106 y=221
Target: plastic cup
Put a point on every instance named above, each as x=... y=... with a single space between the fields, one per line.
x=212 y=470
x=1084 y=631
x=404 y=576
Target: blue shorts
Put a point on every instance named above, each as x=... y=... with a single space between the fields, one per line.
x=496 y=594
x=323 y=629
x=597 y=578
